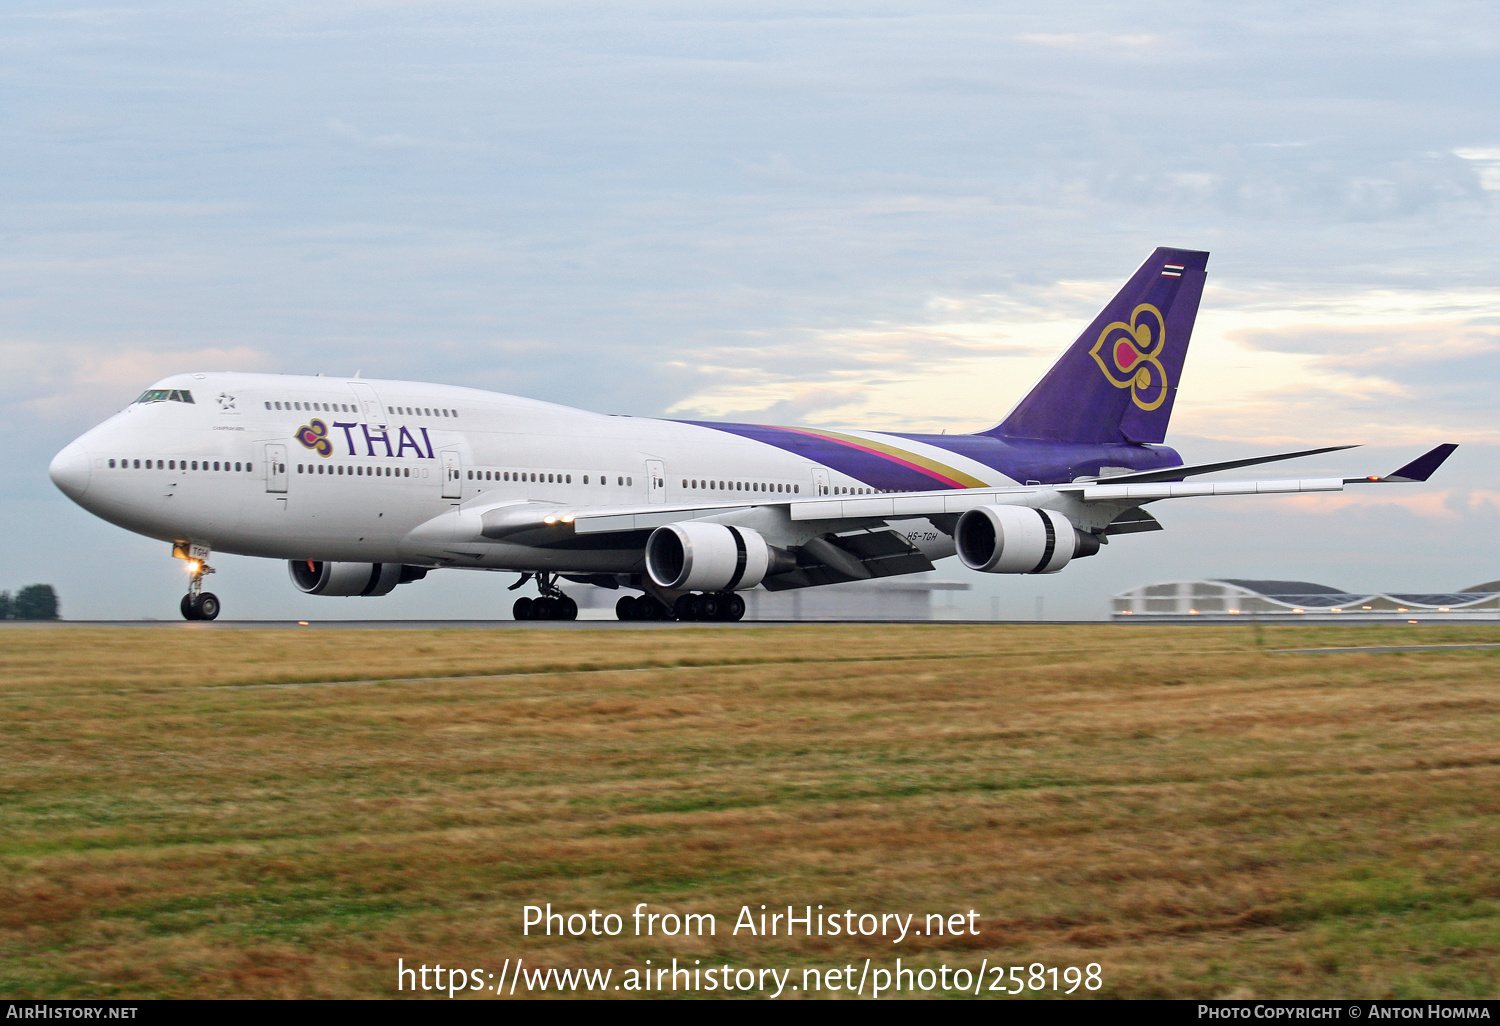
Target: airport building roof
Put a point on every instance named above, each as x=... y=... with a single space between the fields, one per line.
x=1237 y=597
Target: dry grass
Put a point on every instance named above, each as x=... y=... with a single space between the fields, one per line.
x=1198 y=816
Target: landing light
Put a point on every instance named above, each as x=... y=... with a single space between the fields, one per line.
x=550 y=518
x=567 y=518
x=192 y=566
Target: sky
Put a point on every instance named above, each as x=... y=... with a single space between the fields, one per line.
x=883 y=216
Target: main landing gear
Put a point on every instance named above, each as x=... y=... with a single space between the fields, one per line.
x=703 y=606
x=553 y=604
x=198 y=604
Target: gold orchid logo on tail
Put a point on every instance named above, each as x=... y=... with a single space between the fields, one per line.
x=1132 y=356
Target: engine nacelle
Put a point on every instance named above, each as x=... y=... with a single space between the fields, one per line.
x=1015 y=540
x=317 y=578
x=709 y=557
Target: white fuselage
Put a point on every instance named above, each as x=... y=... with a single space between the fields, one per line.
x=392 y=455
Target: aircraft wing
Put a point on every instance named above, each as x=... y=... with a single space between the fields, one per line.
x=1127 y=488
x=550 y=523
x=1193 y=470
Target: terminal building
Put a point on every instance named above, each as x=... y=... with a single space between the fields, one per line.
x=1227 y=599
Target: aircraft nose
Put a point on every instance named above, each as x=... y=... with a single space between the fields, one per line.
x=69 y=470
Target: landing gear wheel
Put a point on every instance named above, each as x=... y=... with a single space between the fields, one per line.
x=707 y=606
x=686 y=607
x=198 y=604
x=641 y=607
x=734 y=607
x=552 y=604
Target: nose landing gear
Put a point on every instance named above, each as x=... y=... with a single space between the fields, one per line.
x=198 y=604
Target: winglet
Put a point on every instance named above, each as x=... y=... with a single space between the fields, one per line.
x=1419 y=469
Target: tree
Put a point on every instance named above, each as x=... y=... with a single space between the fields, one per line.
x=35 y=602
x=5 y=609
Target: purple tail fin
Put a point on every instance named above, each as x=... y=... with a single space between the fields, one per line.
x=1117 y=383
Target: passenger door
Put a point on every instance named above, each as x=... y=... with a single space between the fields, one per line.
x=453 y=487
x=656 y=481
x=275 y=468
x=820 y=482
x=369 y=402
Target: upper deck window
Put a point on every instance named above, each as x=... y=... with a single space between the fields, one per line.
x=166 y=395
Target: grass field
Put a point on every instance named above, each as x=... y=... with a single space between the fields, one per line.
x=1195 y=813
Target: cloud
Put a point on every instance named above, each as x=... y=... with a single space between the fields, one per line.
x=1093 y=42
x=59 y=383
x=388 y=141
x=1265 y=366
x=1486 y=163
x=882 y=375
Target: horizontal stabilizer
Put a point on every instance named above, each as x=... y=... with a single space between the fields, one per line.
x=1175 y=473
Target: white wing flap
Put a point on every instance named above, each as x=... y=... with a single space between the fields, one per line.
x=1181 y=490
x=910 y=504
x=928 y=503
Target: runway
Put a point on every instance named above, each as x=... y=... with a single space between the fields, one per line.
x=608 y=625
x=491 y=625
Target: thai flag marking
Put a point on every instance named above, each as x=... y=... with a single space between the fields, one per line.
x=1172 y=271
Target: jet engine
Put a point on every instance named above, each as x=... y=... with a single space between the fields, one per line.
x=711 y=557
x=317 y=578
x=1019 y=540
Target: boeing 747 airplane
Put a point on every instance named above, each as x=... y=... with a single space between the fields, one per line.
x=682 y=515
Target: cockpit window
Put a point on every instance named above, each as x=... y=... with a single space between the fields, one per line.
x=166 y=395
